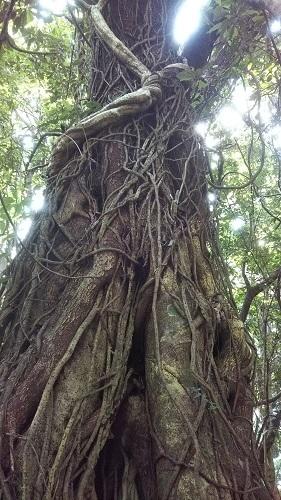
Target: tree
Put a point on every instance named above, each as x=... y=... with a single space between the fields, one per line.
x=125 y=370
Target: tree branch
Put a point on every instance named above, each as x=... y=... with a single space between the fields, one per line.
x=14 y=46
x=270 y=435
x=263 y=402
x=253 y=291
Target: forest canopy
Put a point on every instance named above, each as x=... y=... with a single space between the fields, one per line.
x=45 y=51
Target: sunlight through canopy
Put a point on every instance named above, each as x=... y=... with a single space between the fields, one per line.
x=188 y=19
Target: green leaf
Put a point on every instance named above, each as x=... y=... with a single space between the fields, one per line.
x=187 y=75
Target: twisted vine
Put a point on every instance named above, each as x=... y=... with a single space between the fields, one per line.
x=122 y=108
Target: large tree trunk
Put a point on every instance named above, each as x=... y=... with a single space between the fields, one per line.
x=124 y=372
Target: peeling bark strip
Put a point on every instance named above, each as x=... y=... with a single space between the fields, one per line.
x=124 y=371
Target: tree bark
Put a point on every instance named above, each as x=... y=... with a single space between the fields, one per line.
x=124 y=371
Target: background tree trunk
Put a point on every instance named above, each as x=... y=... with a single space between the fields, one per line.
x=124 y=371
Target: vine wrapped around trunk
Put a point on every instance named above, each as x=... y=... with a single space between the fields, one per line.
x=124 y=371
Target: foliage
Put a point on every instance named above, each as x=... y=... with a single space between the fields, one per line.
x=36 y=99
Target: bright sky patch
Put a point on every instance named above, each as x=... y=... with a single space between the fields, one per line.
x=188 y=19
x=54 y=6
x=23 y=228
x=275 y=26
x=237 y=224
x=37 y=201
x=276 y=136
x=212 y=197
x=230 y=119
